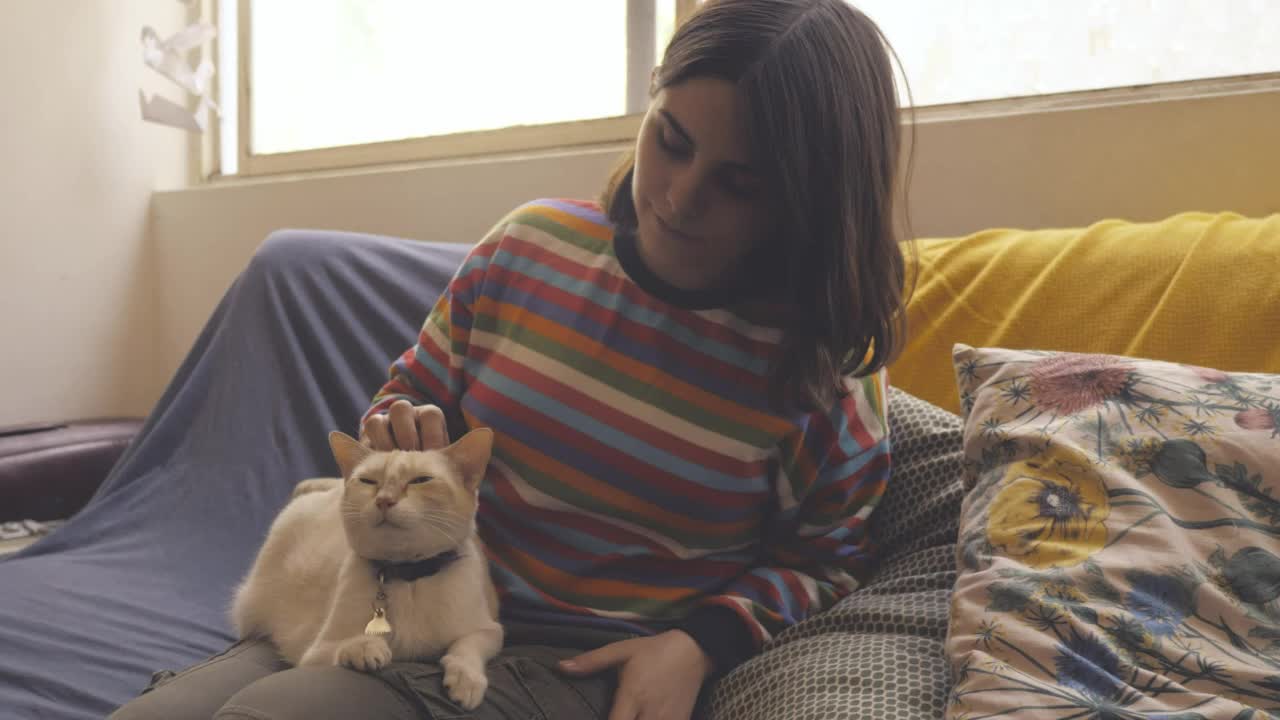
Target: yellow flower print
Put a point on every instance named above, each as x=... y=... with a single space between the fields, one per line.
x=1137 y=455
x=1059 y=594
x=1050 y=511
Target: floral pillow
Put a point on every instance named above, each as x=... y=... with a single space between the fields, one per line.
x=1119 y=546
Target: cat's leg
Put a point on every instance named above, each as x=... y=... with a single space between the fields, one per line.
x=341 y=640
x=357 y=651
x=364 y=652
x=464 y=665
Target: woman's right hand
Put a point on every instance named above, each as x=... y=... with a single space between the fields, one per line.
x=406 y=426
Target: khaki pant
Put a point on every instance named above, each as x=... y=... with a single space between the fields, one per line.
x=249 y=681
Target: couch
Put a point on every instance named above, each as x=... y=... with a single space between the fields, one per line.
x=138 y=580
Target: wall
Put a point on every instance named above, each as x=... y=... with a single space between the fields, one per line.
x=77 y=283
x=1139 y=161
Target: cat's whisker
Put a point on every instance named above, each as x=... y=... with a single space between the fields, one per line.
x=444 y=530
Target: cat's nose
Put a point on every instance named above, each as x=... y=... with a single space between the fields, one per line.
x=383 y=502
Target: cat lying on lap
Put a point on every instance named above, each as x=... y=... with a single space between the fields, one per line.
x=406 y=579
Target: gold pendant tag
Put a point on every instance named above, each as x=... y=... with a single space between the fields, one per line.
x=378 y=625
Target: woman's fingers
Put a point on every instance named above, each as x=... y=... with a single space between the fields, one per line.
x=406 y=427
x=432 y=431
x=403 y=428
x=376 y=433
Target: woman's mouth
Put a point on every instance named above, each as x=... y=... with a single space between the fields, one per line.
x=671 y=231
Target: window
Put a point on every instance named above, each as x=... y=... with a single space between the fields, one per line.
x=331 y=83
x=342 y=73
x=965 y=50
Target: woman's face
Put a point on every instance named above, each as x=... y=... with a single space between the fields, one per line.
x=700 y=205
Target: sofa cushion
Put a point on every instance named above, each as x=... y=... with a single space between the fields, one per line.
x=49 y=471
x=878 y=652
x=1196 y=288
x=1120 y=546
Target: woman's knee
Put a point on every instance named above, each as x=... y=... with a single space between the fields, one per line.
x=198 y=691
x=317 y=692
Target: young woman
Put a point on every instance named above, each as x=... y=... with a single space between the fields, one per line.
x=686 y=382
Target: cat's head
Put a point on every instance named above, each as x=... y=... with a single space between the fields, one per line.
x=400 y=506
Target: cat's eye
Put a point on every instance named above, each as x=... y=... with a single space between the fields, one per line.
x=420 y=479
x=367 y=481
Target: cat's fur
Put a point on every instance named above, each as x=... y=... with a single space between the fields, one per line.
x=312 y=586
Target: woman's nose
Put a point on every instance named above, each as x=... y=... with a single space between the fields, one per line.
x=683 y=196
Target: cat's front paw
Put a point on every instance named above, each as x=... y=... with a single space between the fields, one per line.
x=465 y=680
x=365 y=653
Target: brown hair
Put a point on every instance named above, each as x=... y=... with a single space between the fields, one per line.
x=823 y=118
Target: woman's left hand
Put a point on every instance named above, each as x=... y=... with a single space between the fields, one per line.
x=659 y=677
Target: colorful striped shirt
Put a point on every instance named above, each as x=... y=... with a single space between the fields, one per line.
x=640 y=478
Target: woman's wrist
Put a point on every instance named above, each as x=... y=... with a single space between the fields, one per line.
x=722 y=635
x=704 y=662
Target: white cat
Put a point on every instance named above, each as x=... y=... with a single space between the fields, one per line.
x=407 y=517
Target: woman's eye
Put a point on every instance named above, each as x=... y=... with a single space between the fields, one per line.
x=668 y=146
x=367 y=481
x=420 y=480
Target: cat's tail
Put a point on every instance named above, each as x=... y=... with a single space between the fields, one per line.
x=315 y=485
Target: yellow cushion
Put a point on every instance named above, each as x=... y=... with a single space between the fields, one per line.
x=1196 y=288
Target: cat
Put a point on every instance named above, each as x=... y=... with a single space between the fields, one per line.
x=407 y=516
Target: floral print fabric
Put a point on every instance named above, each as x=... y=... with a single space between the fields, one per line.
x=1119 y=549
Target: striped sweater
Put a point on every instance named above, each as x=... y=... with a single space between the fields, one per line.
x=640 y=480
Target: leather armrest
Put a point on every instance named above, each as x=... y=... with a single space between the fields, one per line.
x=50 y=471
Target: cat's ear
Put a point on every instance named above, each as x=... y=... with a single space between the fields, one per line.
x=471 y=455
x=347 y=451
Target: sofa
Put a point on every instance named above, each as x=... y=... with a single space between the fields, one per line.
x=137 y=581
x=48 y=471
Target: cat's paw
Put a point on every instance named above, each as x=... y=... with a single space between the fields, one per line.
x=365 y=653
x=465 y=680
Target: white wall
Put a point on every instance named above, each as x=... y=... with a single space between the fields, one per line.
x=77 y=281
x=1138 y=161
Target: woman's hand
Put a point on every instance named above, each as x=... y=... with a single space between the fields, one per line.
x=658 y=677
x=406 y=426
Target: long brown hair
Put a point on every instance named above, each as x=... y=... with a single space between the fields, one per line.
x=824 y=122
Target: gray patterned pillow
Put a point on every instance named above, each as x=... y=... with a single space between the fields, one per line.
x=879 y=652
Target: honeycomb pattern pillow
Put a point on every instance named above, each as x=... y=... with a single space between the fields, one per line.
x=1119 y=550
x=878 y=653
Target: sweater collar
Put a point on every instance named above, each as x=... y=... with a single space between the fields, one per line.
x=626 y=247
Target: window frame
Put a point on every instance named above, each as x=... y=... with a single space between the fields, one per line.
x=592 y=133
x=514 y=139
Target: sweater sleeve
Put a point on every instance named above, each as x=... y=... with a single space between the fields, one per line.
x=433 y=370
x=816 y=548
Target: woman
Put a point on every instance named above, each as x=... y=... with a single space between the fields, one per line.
x=686 y=383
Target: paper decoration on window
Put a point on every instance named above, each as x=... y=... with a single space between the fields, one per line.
x=169 y=58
